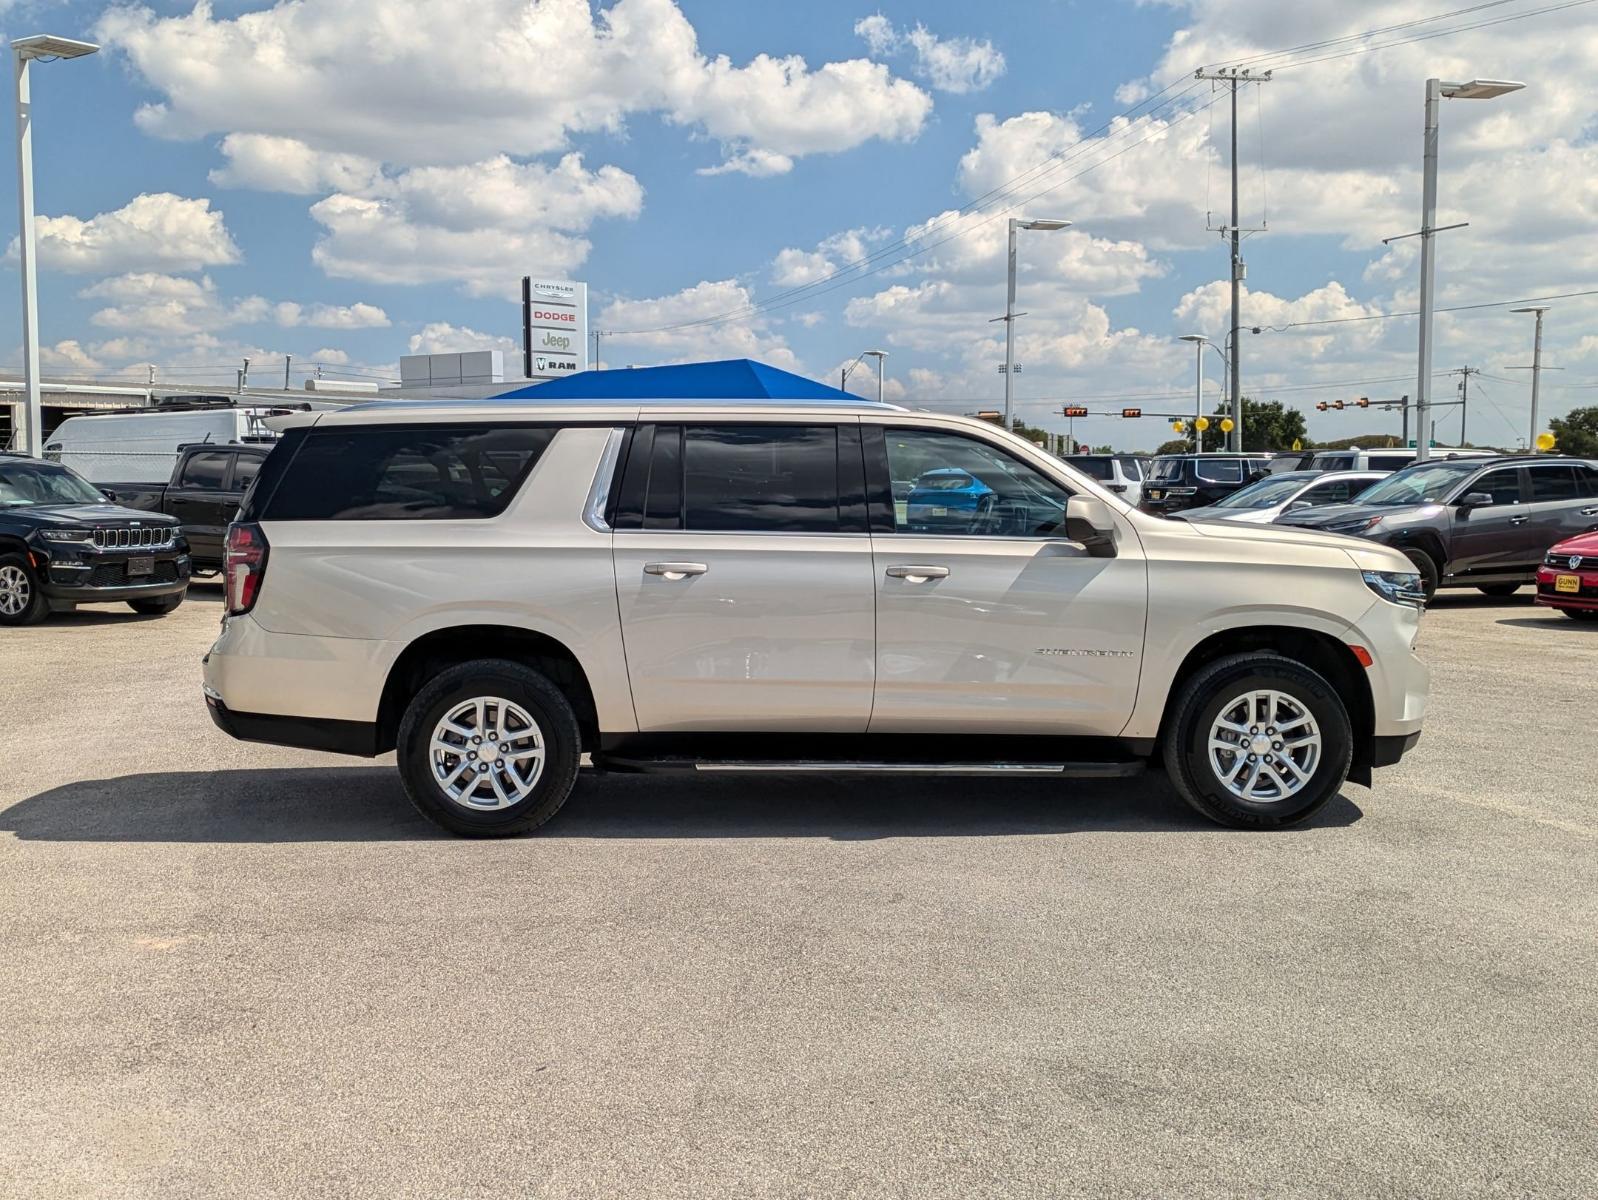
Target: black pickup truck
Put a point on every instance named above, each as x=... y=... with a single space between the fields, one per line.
x=62 y=544
x=208 y=481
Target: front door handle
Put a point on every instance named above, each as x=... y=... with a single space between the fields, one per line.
x=1517 y=520
x=917 y=574
x=1590 y=512
x=675 y=570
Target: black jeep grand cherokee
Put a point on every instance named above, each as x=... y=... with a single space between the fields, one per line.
x=62 y=544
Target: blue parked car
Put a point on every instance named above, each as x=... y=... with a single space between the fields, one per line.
x=949 y=500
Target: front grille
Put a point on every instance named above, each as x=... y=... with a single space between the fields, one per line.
x=1571 y=562
x=116 y=575
x=129 y=537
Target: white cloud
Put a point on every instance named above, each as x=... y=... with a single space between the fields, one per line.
x=795 y=268
x=269 y=163
x=734 y=339
x=68 y=357
x=153 y=232
x=471 y=224
x=171 y=306
x=414 y=82
x=440 y=337
x=751 y=161
x=958 y=64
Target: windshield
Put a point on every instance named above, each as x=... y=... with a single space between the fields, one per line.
x=1262 y=494
x=1332 y=462
x=30 y=483
x=1166 y=468
x=1418 y=485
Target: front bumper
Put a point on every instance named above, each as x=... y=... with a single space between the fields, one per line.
x=1586 y=598
x=101 y=578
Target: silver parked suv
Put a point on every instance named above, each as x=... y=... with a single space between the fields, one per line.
x=492 y=590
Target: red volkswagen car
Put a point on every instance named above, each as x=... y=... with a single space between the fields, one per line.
x=1568 y=578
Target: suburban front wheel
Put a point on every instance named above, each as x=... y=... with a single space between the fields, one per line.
x=489 y=749
x=1258 y=741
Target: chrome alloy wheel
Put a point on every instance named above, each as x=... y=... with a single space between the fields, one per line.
x=1264 y=746
x=15 y=591
x=487 y=753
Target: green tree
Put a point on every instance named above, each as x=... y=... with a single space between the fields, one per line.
x=1268 y=425
x=1576 y=432
x=1176 y=446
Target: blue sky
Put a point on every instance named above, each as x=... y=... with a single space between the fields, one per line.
x=384 y=186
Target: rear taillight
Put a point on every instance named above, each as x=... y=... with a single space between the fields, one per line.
x=244 y=566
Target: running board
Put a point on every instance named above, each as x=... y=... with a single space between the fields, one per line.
x=1058 y=770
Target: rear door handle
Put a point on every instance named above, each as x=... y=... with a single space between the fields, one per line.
x=675 y=570
x=917 y=574
x=1517 y=520
x=1590 y=512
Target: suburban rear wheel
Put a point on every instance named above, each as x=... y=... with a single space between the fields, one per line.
x=156 y=606
x=1258 y=741
x=489 y=749
x=1499 y=589
x=1427 y=566
x=21 y=601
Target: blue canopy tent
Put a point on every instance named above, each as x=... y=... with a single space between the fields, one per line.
x=729 y=379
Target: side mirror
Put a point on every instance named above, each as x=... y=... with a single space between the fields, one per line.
x=1475 y=500
x=1298 y=504
x=108 y=493
x=1088 y=520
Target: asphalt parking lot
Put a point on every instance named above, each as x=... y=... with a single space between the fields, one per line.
x=239 y=970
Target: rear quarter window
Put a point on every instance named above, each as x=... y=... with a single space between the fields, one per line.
x=410 y=473
x=1219 y=470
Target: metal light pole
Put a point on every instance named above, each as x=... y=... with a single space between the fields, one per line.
x=1199 y=342
x=46 y=47
x=879 y=355
x=1010 y=314
x=1437 y=90
x=1536 y=365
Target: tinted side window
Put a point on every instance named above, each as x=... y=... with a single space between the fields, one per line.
x=1503 y=486
x=760 y=478
x=1221 y=470
x=1586 y=480
x=1101 y=469
x=1131 y=468
x=1390 y=462
x=1553 y=483
x=425 y=472
x=1335 y=492
x=205 y=470
x=245 y=468
x=967 y=487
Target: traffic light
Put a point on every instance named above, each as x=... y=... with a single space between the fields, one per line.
x=1075 y=410
x=1131 y=412
x=1363 y=402
x=1338 y=405
x=1321 y=407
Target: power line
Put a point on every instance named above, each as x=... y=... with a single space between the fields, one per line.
x=1415 y=312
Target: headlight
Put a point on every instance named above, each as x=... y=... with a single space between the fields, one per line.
x=67 y=535
x=1359 y=526
x=1400 y=587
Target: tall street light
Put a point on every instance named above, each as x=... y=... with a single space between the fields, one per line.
x=1199 y=342
x=39 y=46
x=1536 y=367
x=1010 y=314
x=879 y=355
x=1437 y=90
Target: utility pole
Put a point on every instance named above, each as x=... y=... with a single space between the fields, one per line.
x=1232 y=77
x=1464 y=374
x=288 y=360
x=1403 y=408
x=1536 y=366
x=598 y=333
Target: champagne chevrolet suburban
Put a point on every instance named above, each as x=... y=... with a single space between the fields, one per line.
x=492 y=590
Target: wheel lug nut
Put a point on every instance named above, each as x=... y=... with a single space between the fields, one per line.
x=471 y=754
x=1276 y=745
x=482 y=768
x=476 y=741
x=1253 y=757
x=1253 y=728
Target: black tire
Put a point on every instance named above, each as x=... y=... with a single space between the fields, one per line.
x=19 y=577
x=1430 y=574
x=157 y=606
x=1581 y=614
x=1499 y=589
x=1215 y=688
x=519 y=685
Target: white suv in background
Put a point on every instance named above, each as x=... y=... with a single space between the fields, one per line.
x=494 y=589
x=1119 y=473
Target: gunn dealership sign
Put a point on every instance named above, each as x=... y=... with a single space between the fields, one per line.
x=554 y=326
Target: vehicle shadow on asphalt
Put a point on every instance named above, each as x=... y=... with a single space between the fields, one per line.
x=1552 y=620
x=309 y=804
